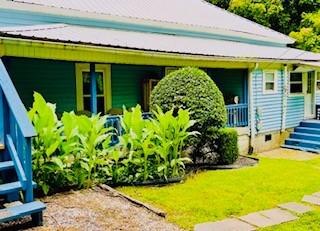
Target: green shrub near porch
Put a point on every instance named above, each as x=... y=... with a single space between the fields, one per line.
x=191 y=88
x=227 y=145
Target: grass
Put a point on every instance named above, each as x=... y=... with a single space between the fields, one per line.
x=215 y=195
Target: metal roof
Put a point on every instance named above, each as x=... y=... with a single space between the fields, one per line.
x=197 y=13
x=155 y=42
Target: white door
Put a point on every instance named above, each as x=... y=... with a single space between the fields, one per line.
x=308 y=90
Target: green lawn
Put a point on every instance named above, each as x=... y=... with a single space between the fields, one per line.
x=215 y=195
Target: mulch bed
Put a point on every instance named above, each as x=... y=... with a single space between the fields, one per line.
x=94 y=210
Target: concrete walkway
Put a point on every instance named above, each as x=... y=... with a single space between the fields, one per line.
x=283 y=153
x=284 y=213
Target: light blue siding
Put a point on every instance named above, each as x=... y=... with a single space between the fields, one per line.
x=268 y=105
x=318 y=98
x=295 y=111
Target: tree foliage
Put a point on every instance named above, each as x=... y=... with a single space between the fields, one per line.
x=297 y=18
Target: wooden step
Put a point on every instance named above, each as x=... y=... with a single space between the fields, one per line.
x=15 y=212
x=10 y=187
x=5 y=165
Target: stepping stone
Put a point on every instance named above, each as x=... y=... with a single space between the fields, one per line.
x=317 y=194
x=231 y=224
x=258 y=220
x=278 y=215
x=311 y=199
x=296 y=207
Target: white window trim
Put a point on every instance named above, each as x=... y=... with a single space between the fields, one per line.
x=275 y=90
x=168 y=70
x=317 y=74
x=106 y=70
x=289 y=87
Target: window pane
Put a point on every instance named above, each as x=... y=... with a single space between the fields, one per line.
x=318 y=86
x=100 y=104
x=269 y=86
x=296 y=77
x=269 y=77
x=296 y=88
x=86 y=83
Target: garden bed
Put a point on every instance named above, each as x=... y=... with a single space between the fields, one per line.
x=94 y=210
x=241 y=162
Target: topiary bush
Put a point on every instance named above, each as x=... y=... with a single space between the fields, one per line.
x=191 y=88
x=227 y=146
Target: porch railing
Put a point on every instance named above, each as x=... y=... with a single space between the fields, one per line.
x=237 y=115
x=114 y=121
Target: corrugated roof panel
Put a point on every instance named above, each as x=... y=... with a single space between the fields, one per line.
x=190 y=12
x=156 y=42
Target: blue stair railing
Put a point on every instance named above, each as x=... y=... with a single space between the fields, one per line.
x=16 y=132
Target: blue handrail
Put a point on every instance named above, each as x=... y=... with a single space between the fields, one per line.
x=237 y=115
x=16 y=131
x=14 y=102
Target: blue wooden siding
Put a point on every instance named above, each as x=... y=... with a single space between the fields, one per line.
x=317 y=98
x=231 y=82
x=55 y=80
x=269 y=105
x=127 y=83
x=295 y=111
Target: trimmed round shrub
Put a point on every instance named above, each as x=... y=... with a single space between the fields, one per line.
x=227 y=146
x=191 y=88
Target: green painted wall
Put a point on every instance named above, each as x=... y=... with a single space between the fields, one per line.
x=55 y=80
x=230 y=82
x=127 y=83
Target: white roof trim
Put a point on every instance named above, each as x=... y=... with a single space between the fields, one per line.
x=155 y=42
x=268 y=35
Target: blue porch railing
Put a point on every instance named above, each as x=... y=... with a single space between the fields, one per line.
x=114 y=121
x=237 y=115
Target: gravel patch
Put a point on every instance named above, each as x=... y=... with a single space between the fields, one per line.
x=94 y=210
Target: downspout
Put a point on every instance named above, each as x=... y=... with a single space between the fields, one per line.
x=284 y=99
x=251 y=109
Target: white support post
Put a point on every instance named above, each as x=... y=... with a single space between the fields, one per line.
x=251 y=108
x=284 y=98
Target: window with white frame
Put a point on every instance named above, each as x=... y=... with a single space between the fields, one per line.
x=318 y=81
x=296 y=85
x=269 y=82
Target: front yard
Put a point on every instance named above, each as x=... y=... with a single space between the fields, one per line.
x=215 y=195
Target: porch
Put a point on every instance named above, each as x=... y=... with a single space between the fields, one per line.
x=69 y=85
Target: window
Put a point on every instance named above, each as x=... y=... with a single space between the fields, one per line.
x=318 y=81
x=103 y=87
x=296 y=85
x=168 y=70
x=269 y=82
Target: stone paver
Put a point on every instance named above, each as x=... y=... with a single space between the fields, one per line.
x=311 y=199
x=230 y=224
x=257 y=219
x=296 y=207
x=279 y=215
x=317 y=194
x=283 y=153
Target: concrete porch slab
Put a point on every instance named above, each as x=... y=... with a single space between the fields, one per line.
x=296 y=207
x=230 y=224
x=290 y=154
